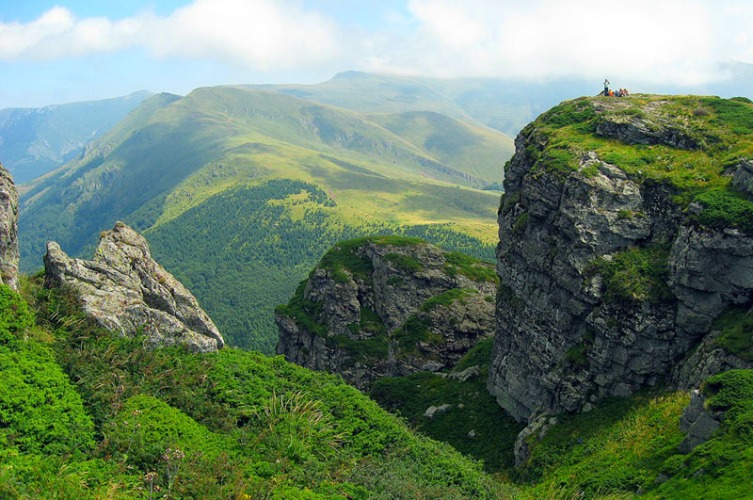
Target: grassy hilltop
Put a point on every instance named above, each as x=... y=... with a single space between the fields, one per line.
x=715 y=135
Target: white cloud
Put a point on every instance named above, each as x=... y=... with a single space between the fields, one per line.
x=260 y=34
x=643 y=40
x=57 y=33
x=661 y=41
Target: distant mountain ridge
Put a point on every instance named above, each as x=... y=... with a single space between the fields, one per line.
x=34 y=141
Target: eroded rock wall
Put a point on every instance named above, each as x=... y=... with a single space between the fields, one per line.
x=564 y=339
x=8 y=230
x=409 y=311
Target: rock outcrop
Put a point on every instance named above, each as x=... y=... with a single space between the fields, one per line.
x=698 y=422
x=387 y=306
x=8 y=230
x=615 y=258
x=124 y=290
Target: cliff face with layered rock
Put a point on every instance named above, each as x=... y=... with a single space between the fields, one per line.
x=626 y=251
x=387 y=306
x=8 y=230
x=124 y=290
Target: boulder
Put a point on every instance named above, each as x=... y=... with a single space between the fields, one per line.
x=698 y=423
x=124 y=290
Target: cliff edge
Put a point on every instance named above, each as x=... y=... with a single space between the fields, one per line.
x=8 y=230
x=626 y=251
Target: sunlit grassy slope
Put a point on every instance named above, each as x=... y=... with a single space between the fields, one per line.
x=179 y=164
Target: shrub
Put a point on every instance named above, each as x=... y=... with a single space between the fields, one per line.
x=723 y=209
x=15 y=315
x=635 y=275
x=446 y=298
x=405 y=262
x=470 y=267
x=736 y=331
x=40 y=411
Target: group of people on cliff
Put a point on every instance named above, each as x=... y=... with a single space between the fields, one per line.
x=611 y=93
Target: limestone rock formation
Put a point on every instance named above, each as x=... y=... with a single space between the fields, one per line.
x=124 y=290
x=387 y=307
x=613 y=267
x=8 y=230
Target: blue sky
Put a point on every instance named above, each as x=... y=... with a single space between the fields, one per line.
x=70 y=50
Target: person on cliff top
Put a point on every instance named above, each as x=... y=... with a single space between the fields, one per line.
x=606 y=87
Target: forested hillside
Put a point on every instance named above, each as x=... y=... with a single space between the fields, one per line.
x=241 y=191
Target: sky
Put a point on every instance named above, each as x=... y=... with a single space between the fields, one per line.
x=53 y=52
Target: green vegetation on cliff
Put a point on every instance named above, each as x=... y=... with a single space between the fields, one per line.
x=85 y=414
x=475 y=424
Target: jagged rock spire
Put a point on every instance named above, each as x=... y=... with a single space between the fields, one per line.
x=127 y=291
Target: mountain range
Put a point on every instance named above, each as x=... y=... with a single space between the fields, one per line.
x=240 y=189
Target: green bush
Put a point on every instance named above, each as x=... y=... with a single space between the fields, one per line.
x=720 y=467
x=736 y=331
x=470 y=267
x=40 y=411
x=725 y=209
x=473 y=409
x=733 y=113
x=405 y=262
x=145 y=427
x=414 y=331
x=617 y=448
x=574 y=112
x=15 y=315
x=635 y=275
x=306 y=312
x=446 y=298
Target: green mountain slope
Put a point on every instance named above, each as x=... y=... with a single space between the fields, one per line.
x=84 y=415
x=37 y=140
x=177 y=165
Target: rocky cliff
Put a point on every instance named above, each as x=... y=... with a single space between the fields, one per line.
x=387 y=306
x=8 y=230
x=124 y=290
x=626 y=251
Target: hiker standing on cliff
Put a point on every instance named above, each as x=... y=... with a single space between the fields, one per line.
x=606 y=87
